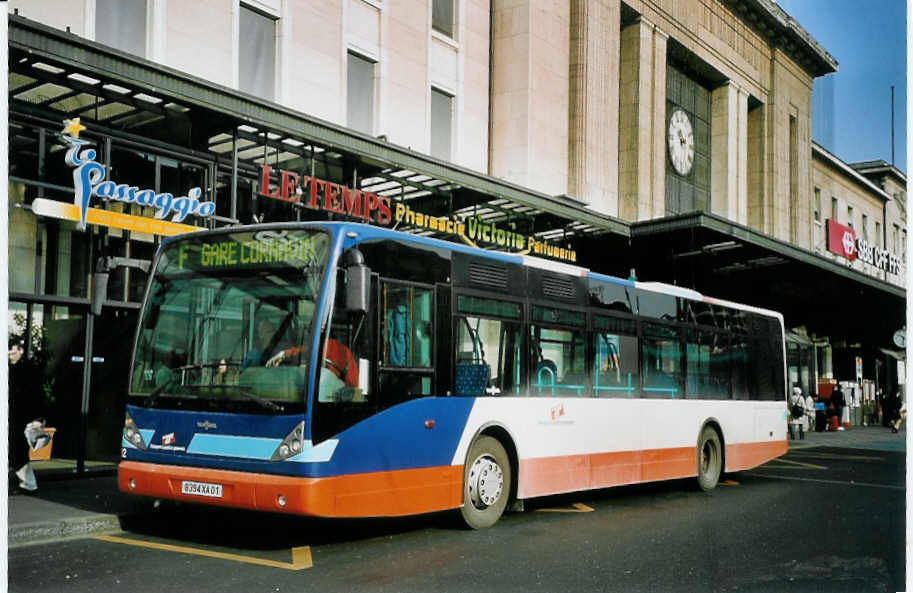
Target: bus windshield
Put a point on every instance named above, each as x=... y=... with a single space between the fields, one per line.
x=229 y=320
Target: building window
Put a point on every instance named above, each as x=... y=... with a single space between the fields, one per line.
x=689 y=189
x=442 y=16
x=256 y=53
x=817 y=204
x=865 y=227
x=441 y=124
x=122 y=25
x=360 y=93
x=794 y=179
x=834 y=209
x=849 y=216
x=877 y=233
x=895 y=239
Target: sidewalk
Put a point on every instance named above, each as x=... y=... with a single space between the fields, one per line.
x=67 y=507
x=856 y=437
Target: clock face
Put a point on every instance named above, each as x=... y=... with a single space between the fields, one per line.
x=681 y=142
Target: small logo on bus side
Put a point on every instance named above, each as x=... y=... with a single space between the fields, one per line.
x=557 y=411
x=207 y=425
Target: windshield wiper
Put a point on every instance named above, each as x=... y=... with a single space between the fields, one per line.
x=271 y=406
x=158 y=390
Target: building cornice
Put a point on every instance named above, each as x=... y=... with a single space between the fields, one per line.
x=879 y=167
x=820 y=152
x=782 y=31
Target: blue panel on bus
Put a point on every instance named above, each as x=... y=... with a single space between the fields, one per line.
x=398 y=439
x=176 y=429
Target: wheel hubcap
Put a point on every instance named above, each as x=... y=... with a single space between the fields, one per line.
x=708 y=452
x=486 y=482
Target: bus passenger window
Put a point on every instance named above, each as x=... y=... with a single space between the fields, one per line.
x=707 y=370
x=487 y=357
x=661 y=356
x=615 y=357
x=406 y=326
x=558 y=361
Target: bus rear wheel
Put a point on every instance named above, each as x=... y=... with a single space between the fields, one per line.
x=709 y=459
x=486 y=483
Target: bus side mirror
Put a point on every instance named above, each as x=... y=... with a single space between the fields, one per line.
x=358 y=283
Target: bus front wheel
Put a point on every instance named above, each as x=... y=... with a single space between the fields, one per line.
x=709 y=459
x=486 y=483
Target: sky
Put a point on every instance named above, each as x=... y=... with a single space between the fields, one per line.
x=868 y=40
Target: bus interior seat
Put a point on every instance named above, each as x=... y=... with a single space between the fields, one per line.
x=471 y=378
x=547 y=369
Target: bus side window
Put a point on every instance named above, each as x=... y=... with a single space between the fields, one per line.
x=487 y=357
x=406 y=325
x=406 y=343
x=661 y=361
x=614 y=348
x=558 y=361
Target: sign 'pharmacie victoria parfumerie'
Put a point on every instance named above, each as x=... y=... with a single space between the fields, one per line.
x=842 y=241
x=90 y=180
x=319 y=194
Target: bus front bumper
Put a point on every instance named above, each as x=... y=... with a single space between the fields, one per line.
x=378 y=494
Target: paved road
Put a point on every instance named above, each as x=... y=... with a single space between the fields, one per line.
x=819 y=519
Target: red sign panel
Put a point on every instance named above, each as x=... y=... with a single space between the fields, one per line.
x=841 y=240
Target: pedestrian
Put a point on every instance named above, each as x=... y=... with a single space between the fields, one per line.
x=839 y=402
x=809 y=413
x=899 y=411
x=26 y=426
x=796 y=410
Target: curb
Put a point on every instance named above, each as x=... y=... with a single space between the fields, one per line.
x=73 y=528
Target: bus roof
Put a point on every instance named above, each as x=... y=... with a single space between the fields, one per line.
x=361 y=232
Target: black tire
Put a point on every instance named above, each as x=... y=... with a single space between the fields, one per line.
x=709 y=459
x=486 y=483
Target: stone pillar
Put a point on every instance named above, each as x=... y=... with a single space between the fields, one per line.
x=729 y=153
x=530 y=67
x=642 y=118
x=593 y=115
x=757 y=166
x=827 y=360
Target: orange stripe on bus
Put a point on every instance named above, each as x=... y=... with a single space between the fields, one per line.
x=743 y=456
x=554 y=475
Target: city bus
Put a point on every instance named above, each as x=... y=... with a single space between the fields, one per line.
x=345 y=370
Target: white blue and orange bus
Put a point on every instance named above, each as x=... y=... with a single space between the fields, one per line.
x=345 y=370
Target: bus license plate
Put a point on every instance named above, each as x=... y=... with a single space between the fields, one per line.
x=201 y=489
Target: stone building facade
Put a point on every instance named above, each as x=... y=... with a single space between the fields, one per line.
x=675 y=136
x=568 y=99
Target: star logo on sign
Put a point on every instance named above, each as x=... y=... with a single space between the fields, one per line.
x=849 y=245
x=73 y=127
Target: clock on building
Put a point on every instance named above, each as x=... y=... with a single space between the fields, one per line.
x=681 y=142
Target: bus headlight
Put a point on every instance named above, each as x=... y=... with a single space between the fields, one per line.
x=132 y=434
x=291 y=445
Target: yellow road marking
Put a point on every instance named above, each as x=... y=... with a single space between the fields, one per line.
x=795 y=464
x=577 y=507
x=729 y=483
x=301 y=556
